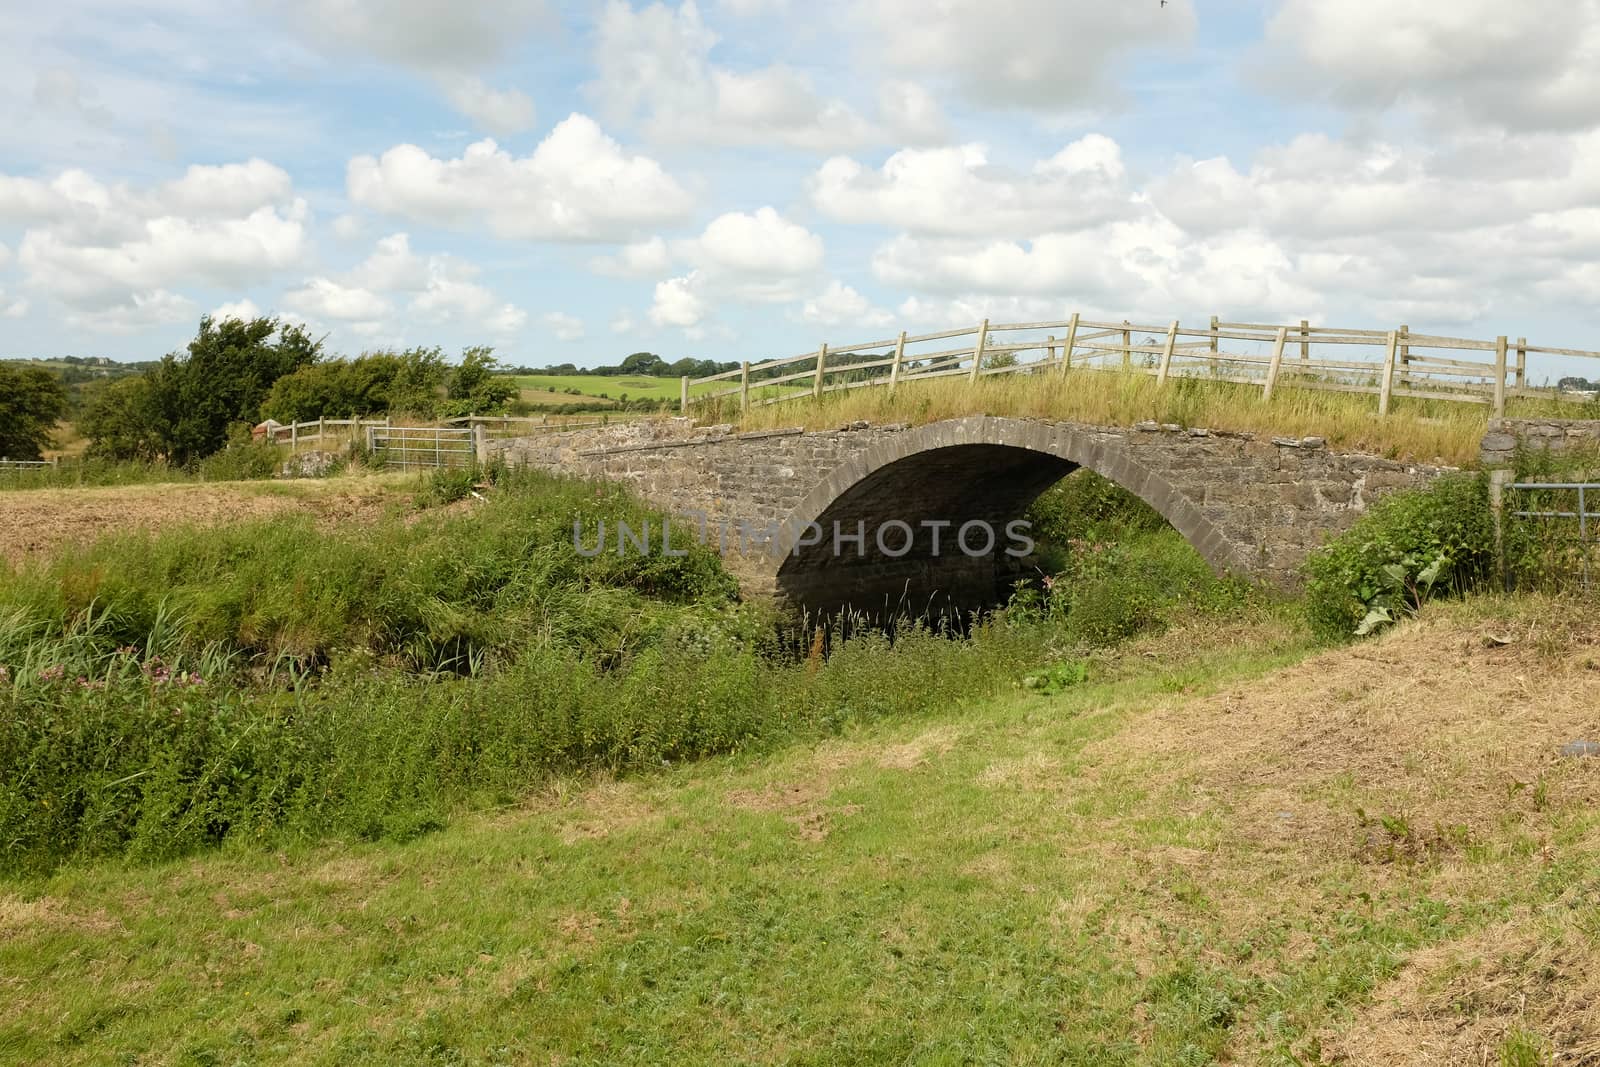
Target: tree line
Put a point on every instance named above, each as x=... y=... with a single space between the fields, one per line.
x=639 y=364
x=235 y=373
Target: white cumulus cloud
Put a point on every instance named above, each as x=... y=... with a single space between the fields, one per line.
x=957 y=190
x=565 y=327
x=1534 y=64
x=578 y=185
x=500 y=111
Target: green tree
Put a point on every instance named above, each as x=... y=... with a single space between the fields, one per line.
x=477 y=386
x=120 y=422
x=646 y=363
x=31 y=400
x=334 y=388
x=228 y=370
x=418 y=382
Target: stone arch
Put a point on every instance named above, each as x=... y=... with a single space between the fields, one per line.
x=985 y=468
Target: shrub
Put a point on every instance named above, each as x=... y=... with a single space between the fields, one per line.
x=242 y=460
x=1412 y=545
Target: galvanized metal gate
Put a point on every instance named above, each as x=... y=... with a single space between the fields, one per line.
x=1574 y=502
x=422 y=446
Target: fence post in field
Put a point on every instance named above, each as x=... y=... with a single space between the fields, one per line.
x=1277 y=362
x=1049 y=349
x=319 y=431
x=1305 y=340
x=1214 y=364
x=1405 y=357
x=480 y=445
x=822 y=364
x=1386 y=386
x=372 y=440
x=294 y=437
x=1166 y=353
x=1500 y=377
x=1127 y=346
x=899 y=356
x=1522 y=363
x=977 y=350
x=683 y=395
x=744 y=386
x=1071 y=343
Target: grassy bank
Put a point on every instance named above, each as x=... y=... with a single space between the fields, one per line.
x=1208 y=852
x=1420 y=430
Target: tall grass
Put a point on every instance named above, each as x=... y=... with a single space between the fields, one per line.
x=1418 y=430
x=439 y=590
x=155 y=769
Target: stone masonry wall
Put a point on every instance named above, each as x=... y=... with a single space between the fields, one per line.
x=1552 y=435
x=1252 y=505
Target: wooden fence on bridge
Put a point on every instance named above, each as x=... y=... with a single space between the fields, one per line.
x=1383 y=363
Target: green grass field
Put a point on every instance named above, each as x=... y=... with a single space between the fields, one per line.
x=1214 y=851
x=634 y=387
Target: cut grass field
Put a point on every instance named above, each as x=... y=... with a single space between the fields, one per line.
x=1424 y=431
x=634 y=387
x=35 y=523
x=1223 y=848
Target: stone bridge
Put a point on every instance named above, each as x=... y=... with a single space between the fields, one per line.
x=1250 y=505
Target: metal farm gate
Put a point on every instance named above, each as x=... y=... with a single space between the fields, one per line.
x=408 y=447
x=1569 y=515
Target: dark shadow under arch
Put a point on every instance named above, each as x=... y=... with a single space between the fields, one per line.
x=977 y=469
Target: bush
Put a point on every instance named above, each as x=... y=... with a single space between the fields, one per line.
x=1412 y=545
x=242 y=460
x=1115 y=567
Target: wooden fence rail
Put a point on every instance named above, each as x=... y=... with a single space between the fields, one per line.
x=1383 y=363
x=315 y=431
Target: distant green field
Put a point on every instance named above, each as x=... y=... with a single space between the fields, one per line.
x=633 y=387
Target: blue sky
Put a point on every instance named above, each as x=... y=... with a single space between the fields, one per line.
x=747 y=178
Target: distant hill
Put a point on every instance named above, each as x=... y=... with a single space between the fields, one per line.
x=84 y=375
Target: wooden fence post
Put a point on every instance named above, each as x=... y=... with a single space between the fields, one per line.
x=899 y=356
x=1071 y=343
x=294 y=437
x=1127 y=346
x=1277 y=362
x=1166 y=353
x=480 y=445
x=1500 y=377
x=977 y=349
x=1386 y=386
x=1405 y=357
x=1305 y=340
x=1522 y=363
x=1049 y=349
x=683 y=395
x=822 y=364
x=744 y=386
x=1214 y=362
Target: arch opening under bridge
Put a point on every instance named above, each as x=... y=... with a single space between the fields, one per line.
x=901 y=528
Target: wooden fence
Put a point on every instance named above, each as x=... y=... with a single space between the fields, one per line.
x=1383 y=363
x=315 y=431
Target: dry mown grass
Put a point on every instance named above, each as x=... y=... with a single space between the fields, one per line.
x=1422 y=431
x=36 y=523
x=1428 y=761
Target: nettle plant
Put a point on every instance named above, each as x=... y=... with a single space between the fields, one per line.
x=1409 y=548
